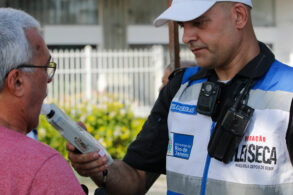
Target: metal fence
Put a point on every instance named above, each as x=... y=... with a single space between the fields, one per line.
x=131 y=76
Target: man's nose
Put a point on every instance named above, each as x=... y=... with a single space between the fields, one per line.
x=189 y=34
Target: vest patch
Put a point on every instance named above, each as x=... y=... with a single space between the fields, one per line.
x=183 y=108
x=180 y=145
x=254 y=154
x=258 y=154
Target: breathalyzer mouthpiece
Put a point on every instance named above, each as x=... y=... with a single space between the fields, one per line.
x=46 y=109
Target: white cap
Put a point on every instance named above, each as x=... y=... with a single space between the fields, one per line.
x=187 y=10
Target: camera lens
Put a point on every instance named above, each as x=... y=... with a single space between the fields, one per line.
x=208 y=87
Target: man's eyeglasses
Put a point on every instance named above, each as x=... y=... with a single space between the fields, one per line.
x=50 y=68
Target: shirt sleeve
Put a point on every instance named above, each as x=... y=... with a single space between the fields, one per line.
x=148 y=151
x=289 y=136
x=55 y=176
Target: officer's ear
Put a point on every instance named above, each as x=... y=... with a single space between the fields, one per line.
x=240 y=15
x=15 y=82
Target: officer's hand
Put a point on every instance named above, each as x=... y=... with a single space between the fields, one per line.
x=89 y=164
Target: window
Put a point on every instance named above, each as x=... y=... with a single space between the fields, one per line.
x=59 y=11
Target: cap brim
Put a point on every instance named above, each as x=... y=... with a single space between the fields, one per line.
x=182 y=12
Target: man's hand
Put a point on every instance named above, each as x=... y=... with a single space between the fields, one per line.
x=121 y=179
x=87 y=165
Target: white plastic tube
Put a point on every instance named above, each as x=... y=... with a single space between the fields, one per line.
x=72 y=132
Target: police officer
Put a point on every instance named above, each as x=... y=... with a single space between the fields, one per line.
x=223 y=127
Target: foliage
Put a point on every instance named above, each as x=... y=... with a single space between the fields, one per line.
x=112 y=124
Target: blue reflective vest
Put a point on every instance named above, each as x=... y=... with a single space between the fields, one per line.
x=261 y=164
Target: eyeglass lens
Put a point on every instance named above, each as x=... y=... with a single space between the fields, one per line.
x=51 y=70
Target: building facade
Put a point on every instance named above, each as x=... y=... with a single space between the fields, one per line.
x=119 y=24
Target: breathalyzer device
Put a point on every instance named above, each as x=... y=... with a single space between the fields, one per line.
x=72 y=132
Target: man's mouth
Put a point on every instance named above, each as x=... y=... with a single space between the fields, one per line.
x=196 y=50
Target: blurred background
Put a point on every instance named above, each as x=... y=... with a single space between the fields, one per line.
x=111 y=46
x=111 y=60
x=124 y=24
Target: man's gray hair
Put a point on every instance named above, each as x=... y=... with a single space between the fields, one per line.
x=15 y=49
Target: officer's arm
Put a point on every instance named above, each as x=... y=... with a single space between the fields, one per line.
x=122 y=179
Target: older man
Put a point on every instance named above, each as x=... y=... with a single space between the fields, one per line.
x=224 y=127
x=27 y=166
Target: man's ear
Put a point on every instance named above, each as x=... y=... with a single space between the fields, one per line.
x=240 y=15
x=15 y=82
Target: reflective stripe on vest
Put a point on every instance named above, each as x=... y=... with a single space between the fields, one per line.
x=261 y=164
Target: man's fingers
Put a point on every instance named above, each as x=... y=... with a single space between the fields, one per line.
x=91 y=172
x=70 y=147
x=90 y=164
x=90 y=168
x=81 y=124
x=82 y=158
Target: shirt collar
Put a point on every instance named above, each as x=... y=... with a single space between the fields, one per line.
x=256 y=68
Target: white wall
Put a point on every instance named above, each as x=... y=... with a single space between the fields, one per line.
x=72 y=34
x=139 y=34
x=281 y=36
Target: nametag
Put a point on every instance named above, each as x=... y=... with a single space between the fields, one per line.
x=180 y=145
x=183 y=108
